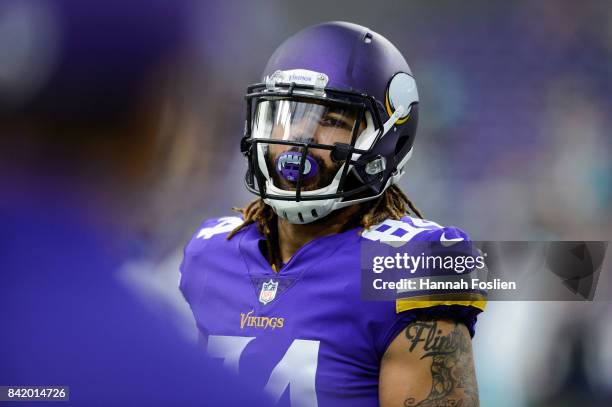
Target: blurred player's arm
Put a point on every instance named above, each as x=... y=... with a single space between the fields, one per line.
x=429 y=364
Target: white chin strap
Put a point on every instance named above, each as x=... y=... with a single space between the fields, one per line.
x=304 y=211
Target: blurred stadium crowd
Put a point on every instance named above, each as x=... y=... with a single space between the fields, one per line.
x=130 y=114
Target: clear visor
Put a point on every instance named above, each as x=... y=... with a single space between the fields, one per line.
x=302 y=121
x=296 y=121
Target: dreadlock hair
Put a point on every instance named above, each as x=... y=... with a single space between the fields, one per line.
x=392 y=204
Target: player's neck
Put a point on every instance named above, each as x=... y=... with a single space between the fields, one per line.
x=292 y=236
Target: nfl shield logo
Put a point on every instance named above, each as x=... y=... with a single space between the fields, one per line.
x=268 y=292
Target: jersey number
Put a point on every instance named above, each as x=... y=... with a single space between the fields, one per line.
x=296 y=370
x=223 y=225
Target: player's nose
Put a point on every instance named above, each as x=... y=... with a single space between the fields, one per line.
x=304 y=130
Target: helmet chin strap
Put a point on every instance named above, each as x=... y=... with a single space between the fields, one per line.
x=400 y=171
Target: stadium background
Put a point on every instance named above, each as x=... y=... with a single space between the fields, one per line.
x=125 y=118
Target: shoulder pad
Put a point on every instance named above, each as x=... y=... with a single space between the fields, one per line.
x=215 y=229
x=446 y=234
x=398 y=232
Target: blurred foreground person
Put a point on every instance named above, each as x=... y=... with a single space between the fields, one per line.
x=68 y=321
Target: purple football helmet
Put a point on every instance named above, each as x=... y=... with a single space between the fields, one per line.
x=333 y=122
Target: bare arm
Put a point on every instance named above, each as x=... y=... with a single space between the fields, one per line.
x=429 y=364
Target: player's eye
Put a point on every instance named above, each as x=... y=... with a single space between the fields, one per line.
x=336 y=122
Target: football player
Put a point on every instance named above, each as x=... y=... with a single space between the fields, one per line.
x=276 y=292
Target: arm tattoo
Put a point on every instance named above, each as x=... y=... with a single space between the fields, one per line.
x=452 y=371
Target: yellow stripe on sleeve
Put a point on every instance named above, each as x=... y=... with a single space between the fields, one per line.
x=427 y=301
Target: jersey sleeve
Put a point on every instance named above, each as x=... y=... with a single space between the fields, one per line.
x=467 y=298
x=462 y=307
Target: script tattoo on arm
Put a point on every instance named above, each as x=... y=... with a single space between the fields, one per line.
x=452 y=366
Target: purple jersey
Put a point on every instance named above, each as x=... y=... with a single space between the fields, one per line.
x=303 y=335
